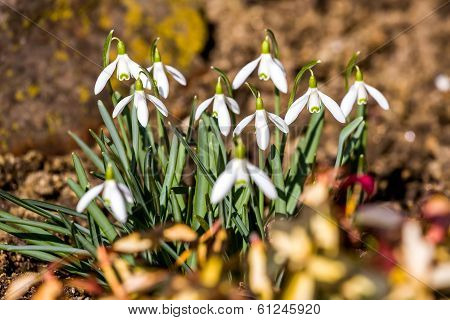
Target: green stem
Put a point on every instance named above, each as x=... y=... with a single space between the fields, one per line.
x=261 y=195
x=362 y=112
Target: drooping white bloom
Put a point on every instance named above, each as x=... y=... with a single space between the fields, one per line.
x=158 y=71
x=269 y=68
x=115 y=195
x=125 y=68
x=240 y=171
x=314 y=99
x=140 y=103
x=358 y=93
x=221 y=103
x=261 y=126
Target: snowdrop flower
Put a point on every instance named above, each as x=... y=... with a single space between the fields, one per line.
x=269 y=68
x=238 y=172
x=158 y=70
x=125 y=68
x=139 y=101
x=220 y=108
x=358 y=93
x=261 y=126
x=114 y=194
x=314 y=99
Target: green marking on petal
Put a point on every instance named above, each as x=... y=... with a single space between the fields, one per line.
x=362 y=101
x=314 y=109
x=263 y=76
x=124 y=76
x=215 y=114
x=240 y=183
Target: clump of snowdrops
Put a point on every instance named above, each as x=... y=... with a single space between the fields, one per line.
x=140 y=224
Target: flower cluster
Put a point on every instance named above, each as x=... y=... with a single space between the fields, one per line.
x=239 y=170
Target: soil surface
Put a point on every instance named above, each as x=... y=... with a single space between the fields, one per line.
x=48 y=90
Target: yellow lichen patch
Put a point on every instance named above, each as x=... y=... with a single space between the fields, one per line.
x=61 y=10
x=54 y=122
x=19 y=95
x=33 y=90
x=60 y=55
x=133 y=17
x=186 y=28
x=83 y=94
x=9 y=73
x=140 y=49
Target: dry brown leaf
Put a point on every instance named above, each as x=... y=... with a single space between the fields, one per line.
x=180 y=232
x=21 y=285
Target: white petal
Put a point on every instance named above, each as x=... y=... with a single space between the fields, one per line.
x=233 y=105
x=145 y=81
x=161 y=79
x=158 y=104
x=332 y=106
x=244 y=73
x=142 y=111
x=121 y=105
x=278 y=62
x=177 y=75
x=135 y=69
x=278 y=122
x=123 y=70
x=116 y=201
x=262 y=181
x=104 y=76
x=241 y=125
x=262 y=130
x=223 y=116
x=296 y=107
x=241 y=171
x=202 y=107
x=126 y=192
x=349 y=100
x=86 y=199
x=278 y=76
x=264 y=67
x=378 y=96
x=224 y=182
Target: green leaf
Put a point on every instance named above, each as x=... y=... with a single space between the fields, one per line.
x=170 y=173
x=106 y=47
x=345 y=133
x=88 y=152
x=278 y=179
x=114 y=134
x=43 y=248
x=79 y=170
x=194 y=157
x=201 y=185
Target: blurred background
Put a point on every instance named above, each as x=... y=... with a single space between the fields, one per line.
x=50 y=56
